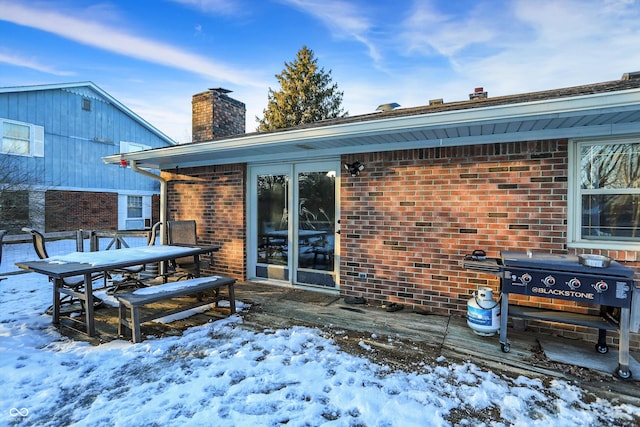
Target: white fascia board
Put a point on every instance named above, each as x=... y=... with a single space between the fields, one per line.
x=590 y=132
x=549 y=108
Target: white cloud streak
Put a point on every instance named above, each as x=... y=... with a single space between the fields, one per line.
x=215 y=7
x=343 y=19
x=19 y=61
x=114 y=40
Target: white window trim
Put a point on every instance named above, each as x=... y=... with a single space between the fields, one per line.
x=36 y=138
x=574 y=211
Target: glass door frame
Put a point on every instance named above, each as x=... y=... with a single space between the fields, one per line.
x=291 y=169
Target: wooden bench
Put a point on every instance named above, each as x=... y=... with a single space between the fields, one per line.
x=133 y=301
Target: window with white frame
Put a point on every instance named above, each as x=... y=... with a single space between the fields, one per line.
x=22 y=139
x=134 y=207
x=607 y=199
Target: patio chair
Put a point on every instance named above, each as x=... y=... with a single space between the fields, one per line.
x=131 y=275
x=184 y=233
x=74 y=283
x=2 y=234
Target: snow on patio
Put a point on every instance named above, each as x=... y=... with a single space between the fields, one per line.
x=222 y=374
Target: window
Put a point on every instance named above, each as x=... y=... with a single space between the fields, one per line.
x=607 y=195
x=16 y=138
x=21 y=138
x=86 y=104
x=134 y=206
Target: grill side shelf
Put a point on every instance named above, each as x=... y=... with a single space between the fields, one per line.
x=487 y=265
x=588 y=320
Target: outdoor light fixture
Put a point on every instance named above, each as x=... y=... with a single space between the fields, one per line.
x=124 y=163
x=354 y=168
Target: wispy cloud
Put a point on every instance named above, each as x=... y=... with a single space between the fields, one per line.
x=20 y=61
x=114 y=39
x=520 y=45
x=343 y=19
x=430 y=31
x=213 y=7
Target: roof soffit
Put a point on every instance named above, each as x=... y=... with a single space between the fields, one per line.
x=580 y=116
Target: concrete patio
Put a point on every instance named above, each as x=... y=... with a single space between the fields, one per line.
x=407 y=339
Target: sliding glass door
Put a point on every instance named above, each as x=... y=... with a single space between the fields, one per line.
x=293 y=217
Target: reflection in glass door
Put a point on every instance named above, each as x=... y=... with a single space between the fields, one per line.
x=272 y=243
x=316 y=227
x=293 y=214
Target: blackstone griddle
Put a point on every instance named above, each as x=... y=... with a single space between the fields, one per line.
x=566 y=277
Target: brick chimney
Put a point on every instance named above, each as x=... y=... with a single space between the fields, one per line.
x=216 y=115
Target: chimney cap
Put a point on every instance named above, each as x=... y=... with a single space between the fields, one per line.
x=220 y=90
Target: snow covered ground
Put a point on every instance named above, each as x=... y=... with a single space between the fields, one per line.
x=225 y=375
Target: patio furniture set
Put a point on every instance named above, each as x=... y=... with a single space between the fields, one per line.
x=74 y=274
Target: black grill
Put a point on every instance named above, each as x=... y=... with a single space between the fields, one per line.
x=564 y=277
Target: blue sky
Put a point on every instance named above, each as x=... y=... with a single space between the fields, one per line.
x=153 y=55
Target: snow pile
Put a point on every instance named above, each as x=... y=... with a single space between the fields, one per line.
x=222 y=374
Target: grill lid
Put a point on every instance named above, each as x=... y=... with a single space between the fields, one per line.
x=565 y=263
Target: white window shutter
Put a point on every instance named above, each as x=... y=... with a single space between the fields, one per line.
x=38 y=141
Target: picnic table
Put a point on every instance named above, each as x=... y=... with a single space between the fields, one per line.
x=88 y=263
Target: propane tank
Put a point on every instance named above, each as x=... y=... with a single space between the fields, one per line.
x=483 y=313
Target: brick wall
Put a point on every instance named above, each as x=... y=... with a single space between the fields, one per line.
x=215 y=197
x=74 y=210
x=216 y=115
x=411 y=216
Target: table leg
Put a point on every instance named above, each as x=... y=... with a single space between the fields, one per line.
x=88 y=295
x=56 y=301
x=232 y=299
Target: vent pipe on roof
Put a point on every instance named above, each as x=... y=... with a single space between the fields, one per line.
x=388 y=107
x=631 y=76
x=478 y=93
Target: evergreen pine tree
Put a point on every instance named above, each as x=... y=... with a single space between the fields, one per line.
x=307 y=95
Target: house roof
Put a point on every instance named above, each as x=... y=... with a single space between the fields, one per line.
x=86 y=89
x=605 y=109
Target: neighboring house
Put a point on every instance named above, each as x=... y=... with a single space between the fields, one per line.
x=387 y=205
x=53 y=139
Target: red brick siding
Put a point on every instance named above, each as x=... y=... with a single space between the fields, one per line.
x=215 y=197
x=409 y=219
x=155 y=209
x=74 y=210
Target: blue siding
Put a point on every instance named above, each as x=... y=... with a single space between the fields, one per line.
x=76 y=140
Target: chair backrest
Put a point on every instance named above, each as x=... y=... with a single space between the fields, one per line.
x=38 y=242
x=182 y=232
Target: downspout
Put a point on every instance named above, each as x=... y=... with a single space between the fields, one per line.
x=163 y=198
